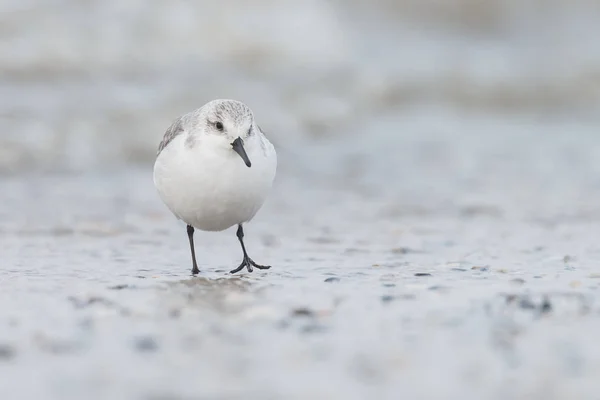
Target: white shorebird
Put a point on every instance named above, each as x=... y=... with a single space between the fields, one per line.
x=214 y=169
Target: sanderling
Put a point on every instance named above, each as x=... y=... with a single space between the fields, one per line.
x=214 y=169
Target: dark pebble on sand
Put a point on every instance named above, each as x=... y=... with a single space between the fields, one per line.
x=546 y=307
x=303 y=312
x=313 y=328
x=387 y=298
x=119 y=287
x=422 y=274
x=510 y=298
x=527 y=304
x=146 y=344
x=7 y=352
x=439 y=288
x=331 y=280
x=404 y=250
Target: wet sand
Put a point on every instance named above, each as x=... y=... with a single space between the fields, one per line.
x=408 y=274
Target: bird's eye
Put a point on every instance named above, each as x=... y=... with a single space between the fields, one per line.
x=219 y=126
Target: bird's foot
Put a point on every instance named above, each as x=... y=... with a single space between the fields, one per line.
x=195 y=270
x=249 y=264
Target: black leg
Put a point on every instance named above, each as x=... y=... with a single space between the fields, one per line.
x=247 y=261
x=190 y=232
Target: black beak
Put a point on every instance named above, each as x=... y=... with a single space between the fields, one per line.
x=238 y=147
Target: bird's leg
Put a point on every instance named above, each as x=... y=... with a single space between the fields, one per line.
x=190 y=232
x=247 y=261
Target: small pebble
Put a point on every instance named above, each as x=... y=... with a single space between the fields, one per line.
x=404 y=250
x=314 y=328
x=546 y=307
x=438 y=288
x=458 y=269
x=518 y=281
x=303 y=312
x=422 y=274
x=387 y=298
x=7 y=352
x=119 y=287
x=510 y=298
x=527 y=304
x=146 y=344
x=332 y=280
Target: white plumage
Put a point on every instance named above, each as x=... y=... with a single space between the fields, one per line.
x=215 y=167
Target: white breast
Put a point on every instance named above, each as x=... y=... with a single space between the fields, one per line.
x=214 y=190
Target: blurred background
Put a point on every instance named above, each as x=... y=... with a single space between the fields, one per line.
x=90 y=84
x=435 y=217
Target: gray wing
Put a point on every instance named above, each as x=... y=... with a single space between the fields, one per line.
x=174 y=130
x=263 y=140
